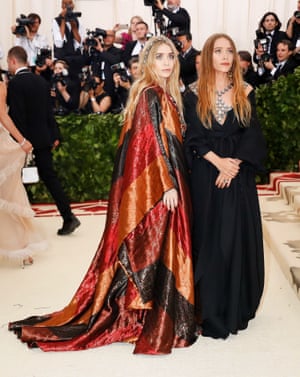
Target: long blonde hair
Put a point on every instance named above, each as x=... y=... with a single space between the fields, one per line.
x=148 y=76
x=207 y=85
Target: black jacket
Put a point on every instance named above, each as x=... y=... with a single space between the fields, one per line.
x=30 y=108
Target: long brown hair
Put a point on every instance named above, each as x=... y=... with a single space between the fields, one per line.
x=207 y=85
x=148 y=77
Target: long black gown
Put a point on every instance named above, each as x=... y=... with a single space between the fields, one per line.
x=227 y=233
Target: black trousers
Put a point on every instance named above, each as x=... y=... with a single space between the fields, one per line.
x=44 y=163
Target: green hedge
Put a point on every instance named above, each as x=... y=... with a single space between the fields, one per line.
x=84 y=161
x=278 y=107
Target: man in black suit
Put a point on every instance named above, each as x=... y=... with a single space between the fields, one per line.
x=269 y=30
x=102 y=56
x=68 y=34
x=286 y=63
x=178 y=18
x=134 y=48
x=187 y=57
x=30 y=108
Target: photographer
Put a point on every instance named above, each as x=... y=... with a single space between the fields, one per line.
x=267 y=37
x=187 y=57
x=123 y=79
x=286 y=63
x=65 y=89
x=293 y=31
x=28 y=37
x=68 y=34
x=101 y=54
x=177 y=17
x=44 y=64
x=93 y=98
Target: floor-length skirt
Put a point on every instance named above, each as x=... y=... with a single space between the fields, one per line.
x=20 y=237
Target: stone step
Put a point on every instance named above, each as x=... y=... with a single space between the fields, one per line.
x=280 y=209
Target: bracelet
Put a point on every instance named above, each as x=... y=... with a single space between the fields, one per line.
x=93 y=99
x=23 y=142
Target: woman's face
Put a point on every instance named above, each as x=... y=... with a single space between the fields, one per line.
x=58 y=68
x=164 y=61
x=222 y=55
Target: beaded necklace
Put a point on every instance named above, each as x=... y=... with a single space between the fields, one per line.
x=221 y=107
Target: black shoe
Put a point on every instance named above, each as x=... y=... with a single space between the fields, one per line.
x=69 y=226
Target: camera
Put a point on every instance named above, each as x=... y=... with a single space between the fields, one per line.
x=297 y=14
x=97 y=33
x=22 y=21
x=172 y=33
x=91 y=39
x=59 y=77
x=42 y=55
x=87 y=80
x=70 y=15
x=262 y=40
x=149 y=3
x=121 y=69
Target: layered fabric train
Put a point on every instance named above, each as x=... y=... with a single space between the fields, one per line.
x=20 y=236
x=139 y=286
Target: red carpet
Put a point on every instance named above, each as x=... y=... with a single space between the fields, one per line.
x=97 y=207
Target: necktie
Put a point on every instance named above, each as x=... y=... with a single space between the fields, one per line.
x=278 y=69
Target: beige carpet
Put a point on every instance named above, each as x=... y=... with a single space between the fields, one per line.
x=280 y=207
x=270 y=347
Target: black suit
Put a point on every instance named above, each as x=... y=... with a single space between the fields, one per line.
x=277 y=37
x=30 y=108
x=288 y=68
x=180 y=19
x=188 y=72
x=127 y=53
x=101 y=63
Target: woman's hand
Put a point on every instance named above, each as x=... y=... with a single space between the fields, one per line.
x=26 y=146
x=224 y=179
x=170 y=199
x=227 y=166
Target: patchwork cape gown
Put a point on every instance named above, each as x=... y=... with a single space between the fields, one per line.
x=139 y=286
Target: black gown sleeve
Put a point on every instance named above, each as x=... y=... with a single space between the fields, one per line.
x=196 y=141
x=252 y=147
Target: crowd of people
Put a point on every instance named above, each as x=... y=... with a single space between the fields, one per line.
x=93 y=56
x=182 y=250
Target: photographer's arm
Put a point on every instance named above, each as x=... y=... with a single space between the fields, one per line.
x=158 y=4
x=75 y=31
x=102 y=106
x=63 y=91
x=58 y=37
x=62 y=26
x=289 y=29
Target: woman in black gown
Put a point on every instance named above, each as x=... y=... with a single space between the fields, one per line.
x=224 y=148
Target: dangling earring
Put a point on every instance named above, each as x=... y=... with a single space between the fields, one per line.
x=230 y=75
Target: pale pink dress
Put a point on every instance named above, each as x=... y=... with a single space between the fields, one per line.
x=19 y=235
